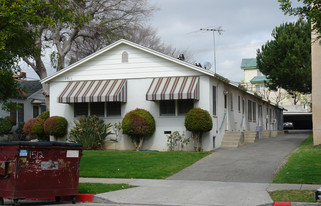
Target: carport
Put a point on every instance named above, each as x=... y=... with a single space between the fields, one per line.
x=301 y=120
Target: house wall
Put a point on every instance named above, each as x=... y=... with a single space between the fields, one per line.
x=140 y=70
x=28 y=110
x=249 y=74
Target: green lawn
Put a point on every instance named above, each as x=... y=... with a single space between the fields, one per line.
x=96 y=188
x=293 y=196
x=303 y=166
x=132 y=164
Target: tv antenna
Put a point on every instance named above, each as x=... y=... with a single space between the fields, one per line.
x=219 y=30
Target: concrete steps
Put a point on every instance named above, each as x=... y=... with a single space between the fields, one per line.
x=250 y=136
x=232 y=139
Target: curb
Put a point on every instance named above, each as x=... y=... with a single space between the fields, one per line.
x=282 y=204
x=296 y=204
x=79 y=198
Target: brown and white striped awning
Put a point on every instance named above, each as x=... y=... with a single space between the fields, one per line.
x=170 y=88
x=94 y=91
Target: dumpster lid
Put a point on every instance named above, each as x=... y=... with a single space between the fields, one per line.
x=45 y=143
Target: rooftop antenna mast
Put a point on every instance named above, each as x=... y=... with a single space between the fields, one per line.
x=219 y=30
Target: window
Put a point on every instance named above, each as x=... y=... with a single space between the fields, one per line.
x=35 y=111
x=243 y=106
x=124 y=57
x=214 y=100
x=13 y=114
x=231 y=101
x=184 y=106
x=167 y=108
x=254 y=112
x=97 y=108
x=21 y=115
x=43 y=108
x=249 y=110
x=225 y=101
x=80 y=109
x=113 y=108
x=239 y=104
x=175 y=107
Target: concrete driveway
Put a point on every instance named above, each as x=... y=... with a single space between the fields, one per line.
x=256 y=163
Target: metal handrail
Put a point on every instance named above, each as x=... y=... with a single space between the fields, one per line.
x=223 y=121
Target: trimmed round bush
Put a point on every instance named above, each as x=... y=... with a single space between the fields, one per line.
x=138 y=124
x=5 y=126
x=56 y=126
x=44 y=116
x=198 y=120
x=34 y=127
x=11 y=120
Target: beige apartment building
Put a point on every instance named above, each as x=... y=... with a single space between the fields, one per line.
x=299 y=112
x=316 y=94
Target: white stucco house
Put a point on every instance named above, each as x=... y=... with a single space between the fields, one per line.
x=125 y=76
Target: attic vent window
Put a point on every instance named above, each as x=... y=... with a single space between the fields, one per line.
x=124 y=57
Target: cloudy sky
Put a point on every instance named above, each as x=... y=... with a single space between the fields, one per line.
x=247 y=24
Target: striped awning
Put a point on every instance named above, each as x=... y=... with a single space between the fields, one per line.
x=94 y=91
x=173 y=88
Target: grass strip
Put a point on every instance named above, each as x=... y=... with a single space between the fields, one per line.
x=96 y=188
x=132 y=164
x=293 y=196
x=303 y=165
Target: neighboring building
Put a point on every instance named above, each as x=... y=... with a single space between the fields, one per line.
x=254 y=81
x=125 y=76
x=31 y=102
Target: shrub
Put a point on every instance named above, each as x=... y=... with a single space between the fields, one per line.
x=11 y=120
x=44 y=116
x=198 y=121
x=56 y=126
x=177 y=140
x=5 y=126
x=91 y=132
x=34 y=127
x=138 y=124
x=19 y=131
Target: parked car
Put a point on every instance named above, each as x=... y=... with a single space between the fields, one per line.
x=288 y=125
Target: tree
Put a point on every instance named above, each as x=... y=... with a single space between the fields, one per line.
x=198 y=121
x=138 y=125
x=286 y=60
x=81 y=20
x=17 y=41
x=310 y=9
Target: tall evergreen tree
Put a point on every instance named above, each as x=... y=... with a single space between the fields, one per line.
x=286 y=60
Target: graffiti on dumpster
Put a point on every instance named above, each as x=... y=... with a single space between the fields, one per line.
x=36 y=155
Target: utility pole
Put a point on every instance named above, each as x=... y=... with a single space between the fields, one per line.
x=219 y=30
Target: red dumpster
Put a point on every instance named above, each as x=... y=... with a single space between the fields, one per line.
x=39 y=169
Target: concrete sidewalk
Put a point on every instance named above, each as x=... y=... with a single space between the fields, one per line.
x=186 y=192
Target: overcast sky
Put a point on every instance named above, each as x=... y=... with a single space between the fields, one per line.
x=247 y=25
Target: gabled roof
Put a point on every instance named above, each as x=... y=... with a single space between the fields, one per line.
x=137 y=46
x=248 y=63
x=259 y=79
x=29 y=87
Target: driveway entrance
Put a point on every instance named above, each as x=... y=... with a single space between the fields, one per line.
x=250 y=163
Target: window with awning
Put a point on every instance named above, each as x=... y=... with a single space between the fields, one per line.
x=173 y=88
x=94 y=91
